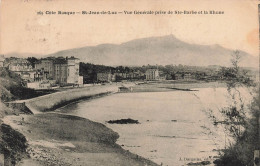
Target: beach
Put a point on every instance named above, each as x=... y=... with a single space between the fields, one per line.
x=57 y=139
x=168 y=127
x=54 y=138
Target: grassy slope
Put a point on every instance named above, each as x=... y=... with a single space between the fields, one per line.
x=90 y=143
x=57 y=139
x=7 y=80
x=12 y=87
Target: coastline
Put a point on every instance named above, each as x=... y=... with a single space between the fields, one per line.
x=59 y=139
x=42 y=146
x=52 y=101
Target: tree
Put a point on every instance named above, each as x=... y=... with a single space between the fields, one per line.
x=235 y=115
x=239 y=121
x=32 y=60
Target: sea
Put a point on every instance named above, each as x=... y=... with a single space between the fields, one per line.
x=175 y=127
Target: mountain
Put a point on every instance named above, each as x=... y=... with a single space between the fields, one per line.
x=157 y=50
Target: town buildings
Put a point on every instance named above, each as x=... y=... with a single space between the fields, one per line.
x=21 y=67
x=104 y=77
x=178 y=76
x=62 y=70
x=47 y=71
x=73 y=71
x=187 y=76
x=152 y=74
x=46 y=65
x=40 y=75
x=119 y=76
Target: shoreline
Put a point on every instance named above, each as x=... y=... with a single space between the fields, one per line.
x=42 y=142
x=44 y=105
x=52 y=101
x=69 y=142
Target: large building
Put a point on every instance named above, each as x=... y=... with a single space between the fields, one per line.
x=104 y=77
x=72 y=70
x=21 y=67
x=152 y=74
x=47 y=65
x=62 y=70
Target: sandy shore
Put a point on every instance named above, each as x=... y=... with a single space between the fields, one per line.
x=58 y=139
x=164 y=86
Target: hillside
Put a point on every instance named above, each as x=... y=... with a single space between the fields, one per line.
x=157 y=50
x=8 y=80
x=12 y=87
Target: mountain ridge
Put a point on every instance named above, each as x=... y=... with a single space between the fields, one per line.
x=162 y=50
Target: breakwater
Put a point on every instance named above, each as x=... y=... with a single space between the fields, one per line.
x=52 y=101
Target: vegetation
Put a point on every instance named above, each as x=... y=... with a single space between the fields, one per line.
x=12 y=87
x=89 y=71
x=32 y=61
x=242 y=151
x=240 y=122
x=12 y=144
x=70 y=140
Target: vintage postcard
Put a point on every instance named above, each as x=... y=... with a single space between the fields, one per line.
x=127 y=83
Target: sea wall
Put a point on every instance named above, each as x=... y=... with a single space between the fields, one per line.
x=52 y=101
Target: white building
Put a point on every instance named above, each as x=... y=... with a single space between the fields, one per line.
x=21 y=67
x=39 y=85
x=152 y=74
x=80 y=81
x=72 y=70
x=62 y=70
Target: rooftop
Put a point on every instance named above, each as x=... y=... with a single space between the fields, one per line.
x=152 y=70
x=60 y=60
x=72 y=58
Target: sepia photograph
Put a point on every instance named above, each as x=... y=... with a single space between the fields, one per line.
x=129 y=83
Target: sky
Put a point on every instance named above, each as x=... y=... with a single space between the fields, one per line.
x=26 y=32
